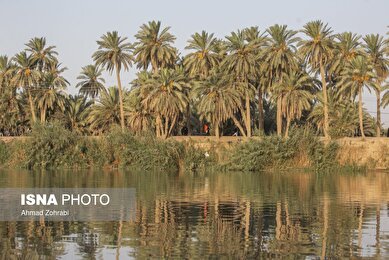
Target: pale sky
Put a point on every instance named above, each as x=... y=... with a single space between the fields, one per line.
x=73 y=26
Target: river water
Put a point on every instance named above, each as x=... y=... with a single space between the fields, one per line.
x=298 y=215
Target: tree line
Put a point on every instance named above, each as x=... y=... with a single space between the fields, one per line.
x=251 y=82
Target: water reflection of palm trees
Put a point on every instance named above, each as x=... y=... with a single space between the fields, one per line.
x=240 y=215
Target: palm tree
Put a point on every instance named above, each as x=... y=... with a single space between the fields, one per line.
x=357 y=74
x=26 y=77
x=295 y=92
x=51 y=92
x=218 y=102
x=41 y=55
x=318 y=50
x=106 y=111
x=279 y=58
x=241 y=63
x=374 y=45
x=346 y=48
x=91 y=83
x=6 y=67
x=204 y=56
x=76 y=113
x=254 y=36
x=153 y=47
x=165 y=97
x=343 y=114
x=114 y=53
x=139 y=119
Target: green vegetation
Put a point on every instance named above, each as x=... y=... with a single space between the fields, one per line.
x=53 y=146
x=249 y=83
x=252 y=82
x=302 y=149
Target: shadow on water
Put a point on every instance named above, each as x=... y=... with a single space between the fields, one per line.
x=239 y=215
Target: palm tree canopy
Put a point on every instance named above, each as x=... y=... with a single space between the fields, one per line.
x=241 y=60
x=114 y=52
x=205 y=54
x=359 y=72
x=41 y=54
x=106 y=111
x=91 y=82
x=279 y=56
x=52 y=92
x=25 y=76
x=76 y=112
x=218 y=101
x=6 y=70
x=319 y=47
x=374 y=45
x=165 y=93
x=153 y=46
x=346 y=47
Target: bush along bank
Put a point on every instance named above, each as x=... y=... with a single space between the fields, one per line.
x=302 y=149
x=52 y=146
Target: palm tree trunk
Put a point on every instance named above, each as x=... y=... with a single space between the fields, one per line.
x=236 y=122
x=287 y=125
x=279 y=117
x=378 y=96
x=248 y=115
x=242 y=111
x=360 y=112
x=158 y=125
x=33 y=117
x=120 y=99
x=261 y=119
x=43 y=115
x=325 y=100
x=172 y=125
x=166 y=133
x=217 y=130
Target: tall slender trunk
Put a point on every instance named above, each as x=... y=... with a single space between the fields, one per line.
x=378 y=96
x=360 y=111
x=217 y=130
x=172 y=125
x=248 y=114
x=261 y=117
x=279 y=117
x=288 y=119
x=325 y=100
x=158 y=126
x=120 y=99
x=236 y=122
x=166 y=130
x=43 y=115
x=33 y=116
x=243 y=114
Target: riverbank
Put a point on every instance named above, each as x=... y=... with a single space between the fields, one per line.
x=52 y=147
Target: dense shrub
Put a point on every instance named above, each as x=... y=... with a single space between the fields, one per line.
x=196 y=159
x=125 y=150
x=52 y=146
x=276 y=152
